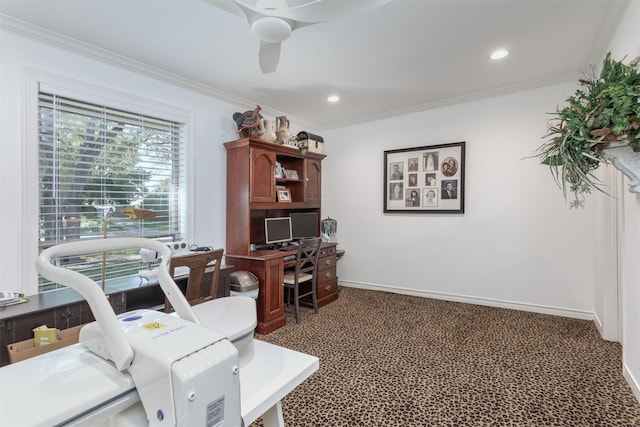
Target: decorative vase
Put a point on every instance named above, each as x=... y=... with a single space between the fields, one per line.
x=626 y=161
x=282 y=129
x=267 y=133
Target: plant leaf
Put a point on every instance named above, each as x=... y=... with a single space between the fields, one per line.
x=554 y=160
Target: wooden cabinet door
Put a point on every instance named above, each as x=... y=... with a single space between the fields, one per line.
x=118 y=303
x=313 y=180
x=270 y=304
x=7 y=336
x=72 y=315
x=24 y=325
x=262 y=187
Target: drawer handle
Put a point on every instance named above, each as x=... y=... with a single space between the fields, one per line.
x=327 y=288
x=327 y=261
x=328 y=274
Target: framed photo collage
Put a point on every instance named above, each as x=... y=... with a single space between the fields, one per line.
x=426 y=179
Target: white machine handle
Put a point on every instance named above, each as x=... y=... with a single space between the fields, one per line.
x=116 y=342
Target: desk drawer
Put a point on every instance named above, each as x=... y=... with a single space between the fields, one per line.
x=326 y=251
x=325 y=276
x=326 y=262
x=327 y=287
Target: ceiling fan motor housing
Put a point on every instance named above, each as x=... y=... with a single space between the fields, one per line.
x=271 y=29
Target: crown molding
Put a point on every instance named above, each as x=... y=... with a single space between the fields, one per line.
x=60 y=41
x=476 y=96
x=87 y=50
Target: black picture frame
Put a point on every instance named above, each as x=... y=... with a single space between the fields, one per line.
x=437 y=186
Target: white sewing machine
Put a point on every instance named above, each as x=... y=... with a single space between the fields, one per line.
x=146 y=366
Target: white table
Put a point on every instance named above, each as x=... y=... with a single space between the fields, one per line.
x=55 y=387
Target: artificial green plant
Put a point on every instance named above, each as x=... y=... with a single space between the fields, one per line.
x=605 y=110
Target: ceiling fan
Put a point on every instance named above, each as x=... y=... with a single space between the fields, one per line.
x=272 y=21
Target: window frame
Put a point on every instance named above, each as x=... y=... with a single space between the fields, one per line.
x=41 y=81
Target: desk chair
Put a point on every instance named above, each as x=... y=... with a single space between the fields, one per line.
x=196 y=287
x=234 y=317
x=305 y=270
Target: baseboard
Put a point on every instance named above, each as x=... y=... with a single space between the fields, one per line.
x=631 y=380
x=598 y=322
x=603 y=333
x=555 y=311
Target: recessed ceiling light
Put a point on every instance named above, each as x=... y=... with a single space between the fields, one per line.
x=499 y=54
x=333 y=98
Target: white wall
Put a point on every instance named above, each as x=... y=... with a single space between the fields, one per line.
x=525 y=249
x=627 y=43
x=211 y=126
x=518 y=244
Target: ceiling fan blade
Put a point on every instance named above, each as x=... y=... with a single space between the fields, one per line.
x=269 y=56
x=229 y=6
x=325 y=10
x=240 y=8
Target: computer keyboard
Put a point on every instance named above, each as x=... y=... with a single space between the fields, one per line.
x=289 y=258
x=289 y=248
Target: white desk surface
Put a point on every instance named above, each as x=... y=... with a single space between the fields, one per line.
x=267 y=374
x=52 y=388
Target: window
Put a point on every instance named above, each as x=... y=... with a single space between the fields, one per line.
x=94 y=160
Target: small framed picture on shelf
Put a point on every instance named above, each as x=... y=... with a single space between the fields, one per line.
x=284 y=195
x=291 y=174
x=279 y=171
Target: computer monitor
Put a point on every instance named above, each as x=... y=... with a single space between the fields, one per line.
x=277 y=230
x=304 y=224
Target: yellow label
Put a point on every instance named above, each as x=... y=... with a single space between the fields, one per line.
x=153 y=325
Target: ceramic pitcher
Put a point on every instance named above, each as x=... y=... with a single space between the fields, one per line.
x=266 y=131
x=282 y=129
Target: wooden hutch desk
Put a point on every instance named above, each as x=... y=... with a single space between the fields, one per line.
x=251 y=197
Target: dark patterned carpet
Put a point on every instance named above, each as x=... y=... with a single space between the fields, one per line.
x=397 y=360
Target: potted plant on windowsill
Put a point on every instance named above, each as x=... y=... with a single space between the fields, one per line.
x=604 y=113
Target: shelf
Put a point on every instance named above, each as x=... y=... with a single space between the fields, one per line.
x=276 y=205
x=279 y=149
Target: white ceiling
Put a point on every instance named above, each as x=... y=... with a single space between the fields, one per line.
x=408 y=55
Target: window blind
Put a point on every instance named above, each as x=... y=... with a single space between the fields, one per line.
x=94 y=160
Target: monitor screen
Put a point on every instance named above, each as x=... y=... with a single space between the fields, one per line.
x=277 y=230
x=304 y=224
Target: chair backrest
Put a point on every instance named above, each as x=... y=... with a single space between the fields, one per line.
x=307 y=257
x=197 y=290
